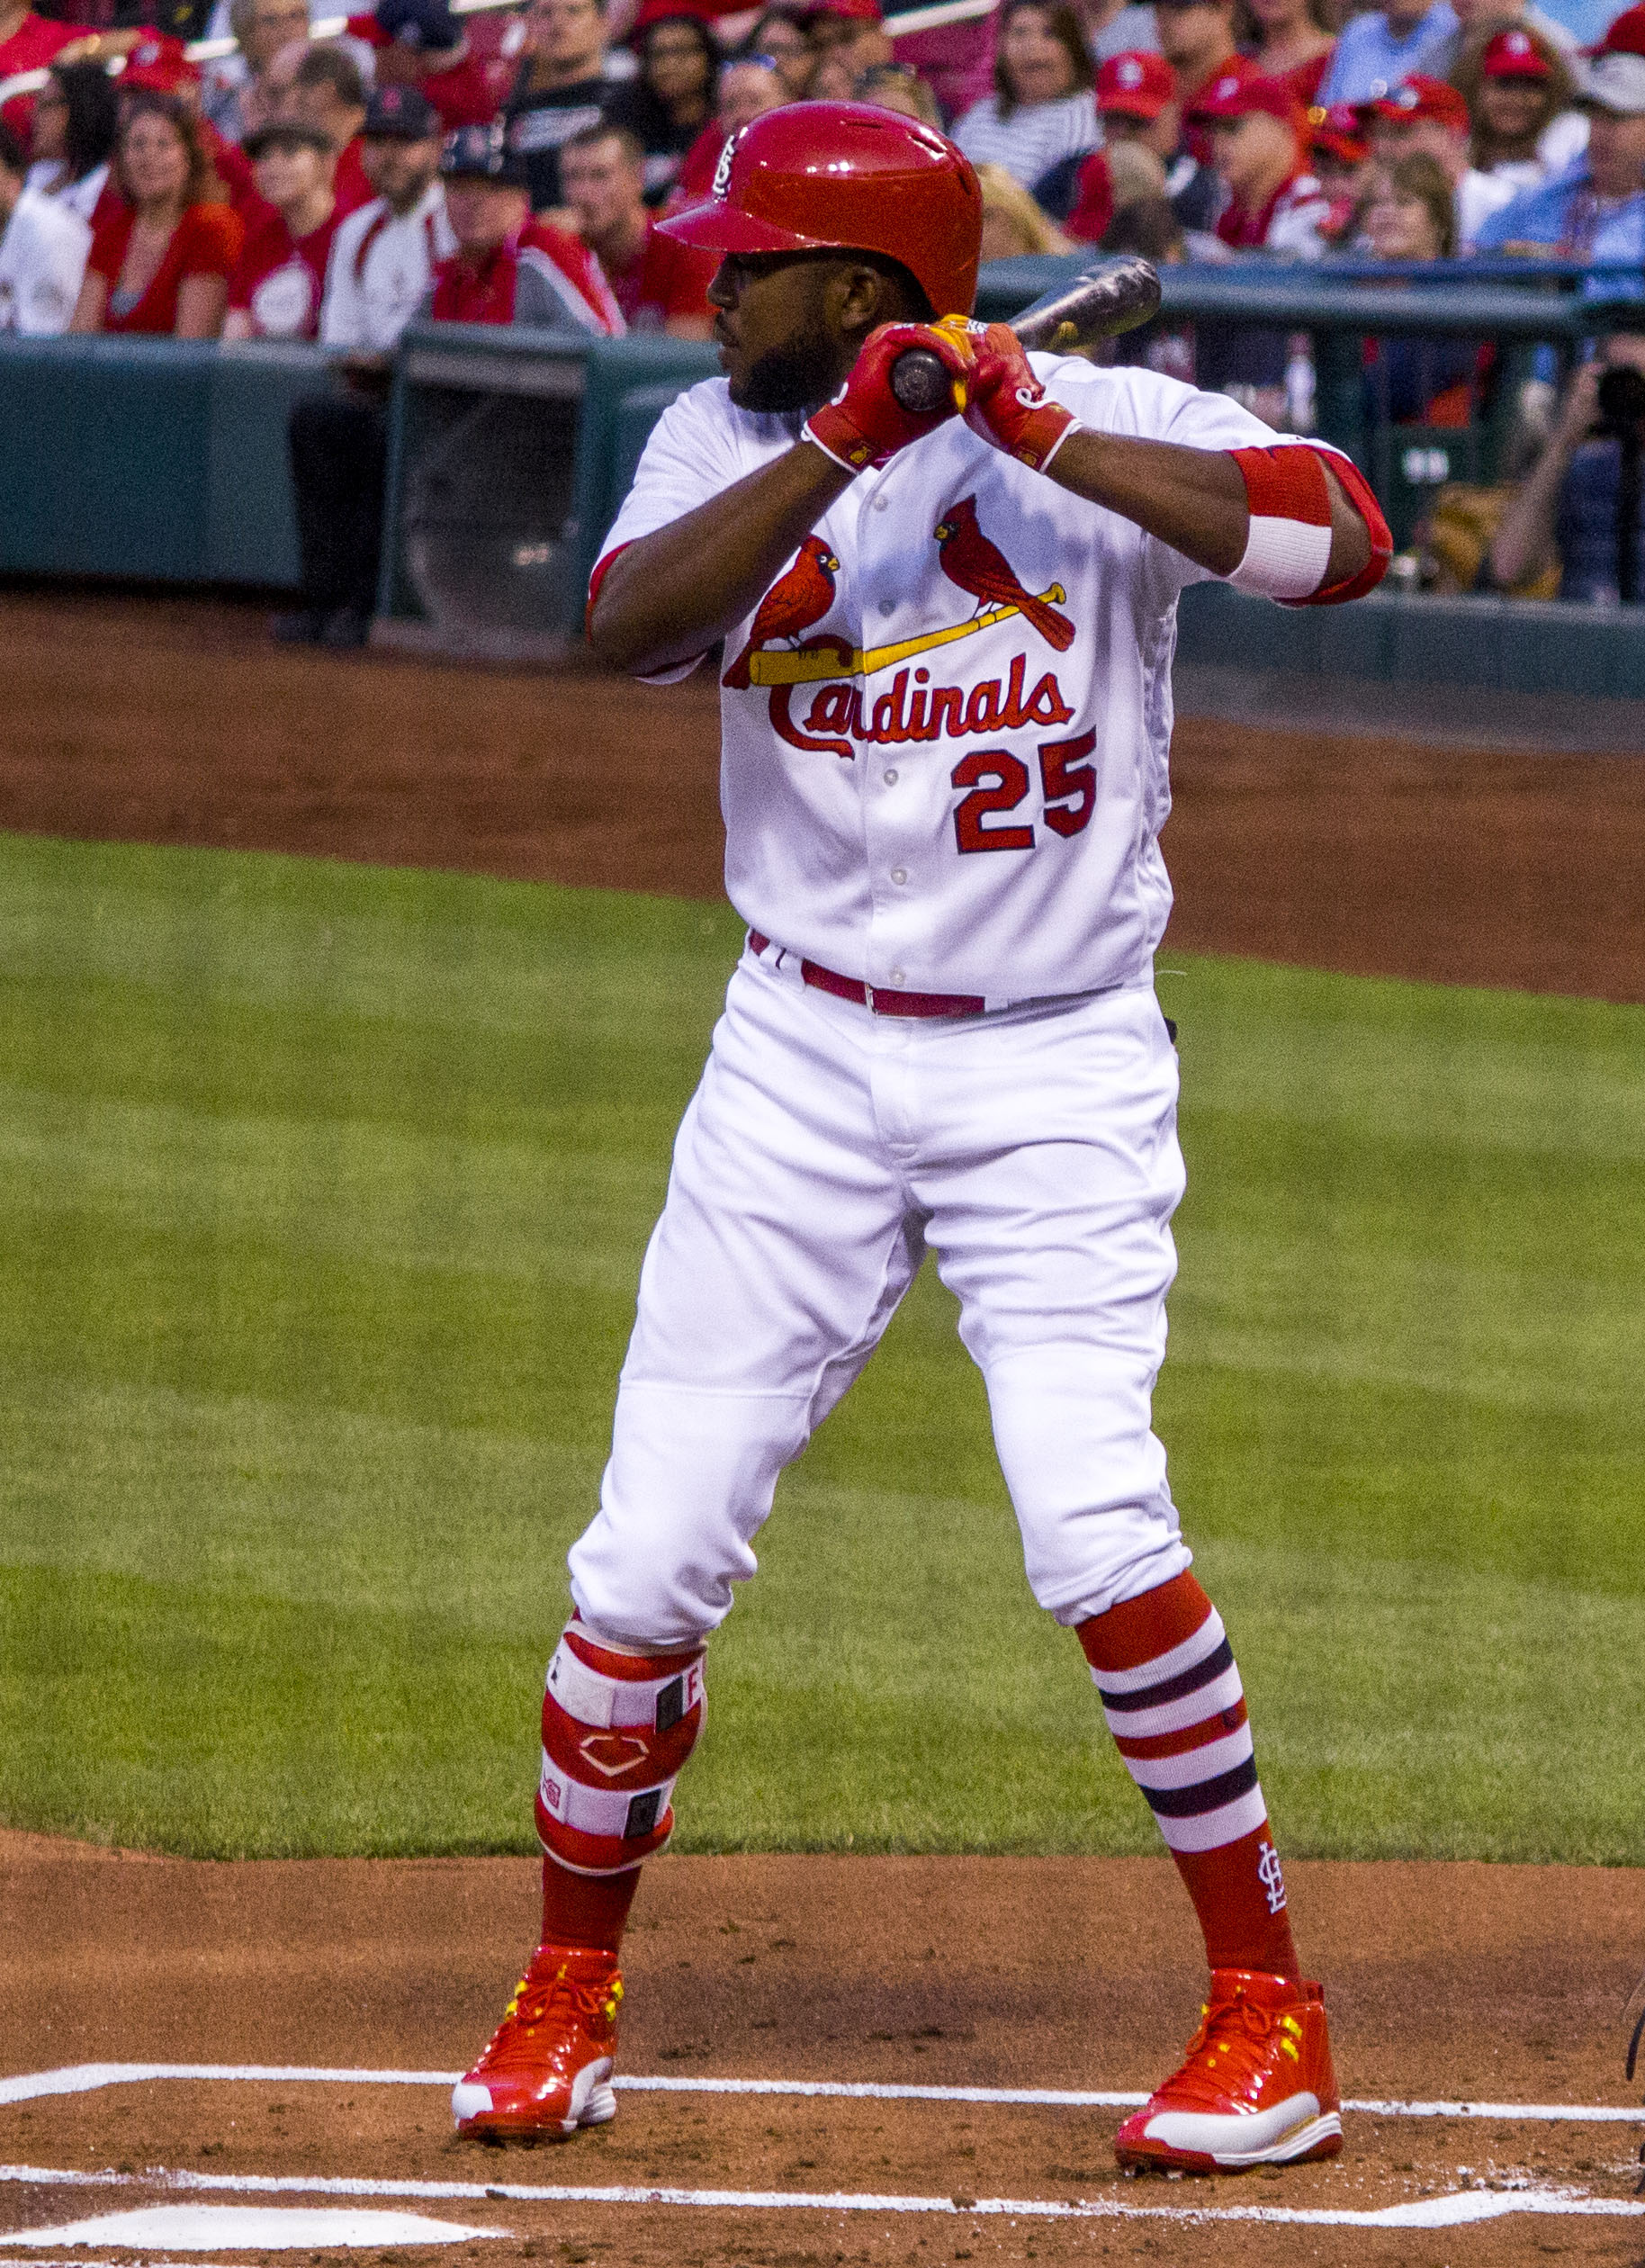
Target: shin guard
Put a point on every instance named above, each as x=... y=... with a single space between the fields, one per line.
x=617 y=1728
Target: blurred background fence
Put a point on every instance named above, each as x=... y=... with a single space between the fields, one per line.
x=167 y=460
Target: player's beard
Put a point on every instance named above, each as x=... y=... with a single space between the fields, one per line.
x=799 y=374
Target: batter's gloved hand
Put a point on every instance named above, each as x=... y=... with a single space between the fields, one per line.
x=865 y=423
x=1008 y=406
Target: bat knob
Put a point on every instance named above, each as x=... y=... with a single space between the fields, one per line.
x=920 y=383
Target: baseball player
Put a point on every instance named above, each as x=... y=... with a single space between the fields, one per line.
x=947 y=711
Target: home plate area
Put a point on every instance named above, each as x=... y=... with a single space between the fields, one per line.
x=221 y=2063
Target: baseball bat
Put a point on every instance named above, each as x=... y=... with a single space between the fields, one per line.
x=1100 y=304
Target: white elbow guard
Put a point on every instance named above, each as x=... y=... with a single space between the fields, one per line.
x=1289 y=547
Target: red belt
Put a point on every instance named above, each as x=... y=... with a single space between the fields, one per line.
x=876 y=997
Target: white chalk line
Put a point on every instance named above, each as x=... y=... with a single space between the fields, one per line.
x=85 y=2078
x=1455 y=2210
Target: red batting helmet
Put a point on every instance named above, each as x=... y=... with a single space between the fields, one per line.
x=842 y=176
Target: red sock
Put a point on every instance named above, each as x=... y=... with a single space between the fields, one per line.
x=1172 y=1695
x=585 y=1909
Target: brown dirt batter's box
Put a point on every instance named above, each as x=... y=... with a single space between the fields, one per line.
x=1448 y=1982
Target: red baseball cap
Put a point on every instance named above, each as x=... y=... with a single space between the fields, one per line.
x=661 y=11
x=1419 y=97
x=1339 y=131
x=1241 y=94
x=158 y=65
x=1136 y=86
x=1514 y=54
x=858 y=10
x=1626 y=36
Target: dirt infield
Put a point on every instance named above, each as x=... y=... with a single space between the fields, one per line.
x=175 y=721
x=1448 y=1983
x=1452 y=1986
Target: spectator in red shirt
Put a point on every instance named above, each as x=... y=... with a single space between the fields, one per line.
x=420 y=43
x=328 y=92
x=1289 y=40
x=280 y=277
x=161 y=263
x=508 y=267
x=1259 y=132
x=659 y=284
x=1139 y=101
x=27 y=43
x=158 y=65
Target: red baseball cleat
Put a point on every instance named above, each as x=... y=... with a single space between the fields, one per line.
x=1256 y=2087
x=547 y=2069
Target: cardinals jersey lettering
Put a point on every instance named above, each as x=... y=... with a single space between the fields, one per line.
x=946 y=725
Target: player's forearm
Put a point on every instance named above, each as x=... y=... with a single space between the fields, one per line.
x=1194 y=500
x=667 y=598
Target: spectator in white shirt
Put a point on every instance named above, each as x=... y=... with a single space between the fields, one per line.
x=75 y=114
x=42 y=251
x=1042 y=109
x=381 y=270
x=383 y=257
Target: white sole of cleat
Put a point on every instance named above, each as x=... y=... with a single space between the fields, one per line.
x=1179 y=2156
x=593 y=2102
x=1325 y=2129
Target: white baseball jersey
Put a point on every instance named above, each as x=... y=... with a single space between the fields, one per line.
x=381 y=270
x=944 y=760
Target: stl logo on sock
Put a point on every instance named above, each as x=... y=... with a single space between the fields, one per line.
x=1272 y=1876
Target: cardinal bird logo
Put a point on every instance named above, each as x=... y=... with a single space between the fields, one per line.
x=981 y=568
x=803 y=596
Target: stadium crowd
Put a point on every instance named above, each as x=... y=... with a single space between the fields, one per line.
x=509 y=166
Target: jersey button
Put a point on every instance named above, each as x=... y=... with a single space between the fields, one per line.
x=899 y=874
x=897 y=975
x=879 y=503
x=886 y=607
x=891 y=777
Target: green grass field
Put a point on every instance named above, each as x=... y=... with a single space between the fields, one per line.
x=324 y=1191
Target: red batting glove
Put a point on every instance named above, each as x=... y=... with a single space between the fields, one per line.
x=1009 y=407
x=865 y=423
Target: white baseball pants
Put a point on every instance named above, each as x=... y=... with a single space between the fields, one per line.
x=1033 y=1150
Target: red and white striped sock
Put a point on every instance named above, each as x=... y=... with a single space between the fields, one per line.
x=617 y=1728
x=1170 y=1692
